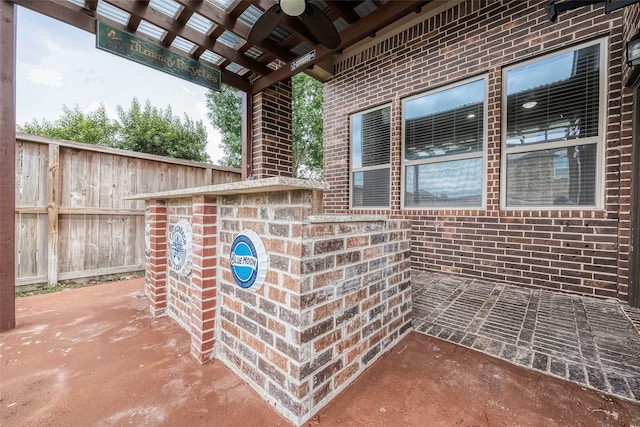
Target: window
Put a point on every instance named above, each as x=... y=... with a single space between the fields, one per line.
x=371 y=158
x=553 y=130
x=444 y=140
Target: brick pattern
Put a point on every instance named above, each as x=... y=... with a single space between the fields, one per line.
x=336 y=296
x=272 y=135
x=579 y=251
x=191 y=299
x=355 y=302
x=155 y=278
x=257 y=330
x=585 y=340
x=203 y=277
x=178 y=286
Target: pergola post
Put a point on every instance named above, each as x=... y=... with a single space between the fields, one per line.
x=272 y=139
x=7 y=165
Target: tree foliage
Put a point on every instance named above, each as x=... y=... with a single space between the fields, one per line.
x=144 y=129
x=156 y=131
x=225 y=114
x=74 y=125
x=306 y=104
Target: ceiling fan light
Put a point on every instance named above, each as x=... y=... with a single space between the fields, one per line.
x=293 y=7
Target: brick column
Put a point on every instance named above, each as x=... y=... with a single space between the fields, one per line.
x=156 y=271
x=272 y=135
x=203 y=277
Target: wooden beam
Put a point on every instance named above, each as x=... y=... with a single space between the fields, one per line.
x=227 y=21
x=169 y=24
x=54 y=192
x=345 y=10
x=91 y=6
x=380 y=18
x=64 y=11
x=7 y=165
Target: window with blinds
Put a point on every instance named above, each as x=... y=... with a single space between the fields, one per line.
x=553 y=129
x=371 y=158
x=444 y=139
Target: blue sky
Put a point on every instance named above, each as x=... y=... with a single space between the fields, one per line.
x=58 y=64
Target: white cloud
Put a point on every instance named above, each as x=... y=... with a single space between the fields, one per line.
x=45 y=77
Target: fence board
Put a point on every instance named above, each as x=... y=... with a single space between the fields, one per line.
x=98 y=232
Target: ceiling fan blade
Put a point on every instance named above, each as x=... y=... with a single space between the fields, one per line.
x=320 y=26
x=265 y=25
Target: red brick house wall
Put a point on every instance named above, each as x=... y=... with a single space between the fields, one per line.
x=580 y=251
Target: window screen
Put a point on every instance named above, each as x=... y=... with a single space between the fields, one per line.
x=553 y=112
x=370 y=158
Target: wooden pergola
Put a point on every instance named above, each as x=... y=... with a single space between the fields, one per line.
x=212 y=32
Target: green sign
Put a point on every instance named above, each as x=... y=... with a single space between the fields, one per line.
x=131 y=47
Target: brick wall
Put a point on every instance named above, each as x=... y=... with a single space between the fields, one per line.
x=178 y=285
x=272 y=135
x=356 y=299
x=336 y=296
x=581 y=251
x=190 y=297
x=155 y=278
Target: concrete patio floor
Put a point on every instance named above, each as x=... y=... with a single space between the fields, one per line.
x=94 y=356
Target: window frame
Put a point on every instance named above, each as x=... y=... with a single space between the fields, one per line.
x=483 y=154
x=599 y=140
x=386 y=166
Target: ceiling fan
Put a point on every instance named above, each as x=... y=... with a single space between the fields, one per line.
x=317 y=22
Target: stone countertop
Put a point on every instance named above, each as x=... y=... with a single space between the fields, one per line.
x=278 y=183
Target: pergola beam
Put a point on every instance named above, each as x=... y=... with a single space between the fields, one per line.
x=79 y=17
x=383 y=16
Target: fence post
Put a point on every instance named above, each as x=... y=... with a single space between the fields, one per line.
x=53 y=204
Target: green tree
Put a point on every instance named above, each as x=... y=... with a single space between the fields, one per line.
x=156 y=131
x=225 y=114
x=146 y=130
x=306 y=105
x=74 y=125
x=307 y=100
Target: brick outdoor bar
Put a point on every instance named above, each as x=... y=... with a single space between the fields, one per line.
x=336 y=292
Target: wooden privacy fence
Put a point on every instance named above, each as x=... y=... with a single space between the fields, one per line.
x=71 y=219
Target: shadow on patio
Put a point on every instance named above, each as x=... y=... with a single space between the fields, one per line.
x=94 y=356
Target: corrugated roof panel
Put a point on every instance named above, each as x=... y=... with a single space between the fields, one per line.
x=168 y=7
x=302 y=48
x=233 y=67
x=113 y=13
x=151 y=30
x=250 y=15
x=214 y=58
x=368 y=6
x=229 y=39
x=254 y=52
x=199 y=23
x=182 y=44
x=77 y=2
x=222 y=4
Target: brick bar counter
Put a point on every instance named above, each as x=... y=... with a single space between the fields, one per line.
x=335 y=297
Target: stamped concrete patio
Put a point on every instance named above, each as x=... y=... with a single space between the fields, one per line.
x=94 y=356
